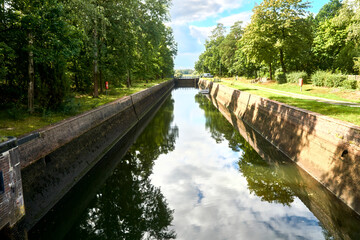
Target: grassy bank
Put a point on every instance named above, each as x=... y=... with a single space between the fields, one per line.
x=16 y=121
x=344 y=113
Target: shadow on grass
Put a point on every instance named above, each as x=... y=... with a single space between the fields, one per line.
x=247 y=89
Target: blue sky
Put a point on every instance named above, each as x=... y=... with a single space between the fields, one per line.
x=193 y=20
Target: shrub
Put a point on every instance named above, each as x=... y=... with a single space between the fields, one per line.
x=327 y=79
x=17 y=112
x=350 y=84
x=294 y=77
x=280 y=76
x=335 y=80
x=318 y=78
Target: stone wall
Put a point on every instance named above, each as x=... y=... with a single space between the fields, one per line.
x=53 y=163
x=11 y=193
x=326 y=148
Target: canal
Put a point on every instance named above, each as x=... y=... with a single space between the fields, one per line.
x=191 y=175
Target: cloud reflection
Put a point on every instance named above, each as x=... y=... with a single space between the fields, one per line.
x=211 y=199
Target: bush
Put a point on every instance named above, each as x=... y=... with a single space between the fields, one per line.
x=280 y=76
x=318 y=78
x=17 y=112
x=334 y=80
x=350 y=84
x=294 y=77
x=327 y=79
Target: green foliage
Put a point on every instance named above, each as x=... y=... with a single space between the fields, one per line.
x=68 y=40
x=294 y=77
x=349 y=84
x=17 y=112
x=280 y=76
x=278 y=31
x=185 y=71
x=328 y=79
x=328 y=11
x=282 y=34
x=357 y=64
x=318 y=78
x=229 y=46
x=210 y=60
x=334 y=80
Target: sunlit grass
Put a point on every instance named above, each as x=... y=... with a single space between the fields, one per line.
x=17 y=122
x=307 y=89
x=344 y=113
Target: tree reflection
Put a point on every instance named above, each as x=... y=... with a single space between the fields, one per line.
x=219 y=128
x=158 y=138
x=128 y=206
x=265 y=180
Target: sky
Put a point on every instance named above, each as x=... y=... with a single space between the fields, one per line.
x=193 y=20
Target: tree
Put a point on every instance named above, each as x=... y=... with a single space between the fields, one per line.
x=211 y=58
x=335 y=44
x=278 y=31
x=49 y=48
x=229 y=45
x=328 y=11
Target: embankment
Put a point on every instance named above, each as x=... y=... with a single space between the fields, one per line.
x=328 y=149
x=53 y=163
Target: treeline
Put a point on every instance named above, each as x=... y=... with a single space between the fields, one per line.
x=284 y=37
x=50 y=48
x=181 y=72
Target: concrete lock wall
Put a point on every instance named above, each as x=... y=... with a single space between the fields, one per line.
x=191 y=82
x=322 y=203
x=11 y=193
x=53 y=163
x=326 y=148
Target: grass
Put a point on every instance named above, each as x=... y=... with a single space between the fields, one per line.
x=16 y=121
x=344 y=113
x=308 y=89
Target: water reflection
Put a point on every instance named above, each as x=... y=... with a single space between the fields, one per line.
x=278 y=180
x=263 y=179
x=191 y=175
x=128 y=206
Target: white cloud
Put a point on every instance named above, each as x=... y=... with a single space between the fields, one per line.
x=200 y=33
x=185 y=11
x=245 y=17
x=210 y=198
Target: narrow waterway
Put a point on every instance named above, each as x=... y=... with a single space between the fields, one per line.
x=191 y=175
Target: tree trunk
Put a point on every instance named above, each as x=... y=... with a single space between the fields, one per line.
x=128 y=82
x=282 y=61
x=96 y=67
x=31 y=73
x=270 y=71
x=101 y=82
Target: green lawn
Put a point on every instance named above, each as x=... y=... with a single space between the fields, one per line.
x=344 y=113
x=16 y=121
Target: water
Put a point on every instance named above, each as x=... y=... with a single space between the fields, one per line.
x=190 y=175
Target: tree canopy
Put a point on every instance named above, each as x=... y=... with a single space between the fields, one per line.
x=50 y=48
x=284 y=36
